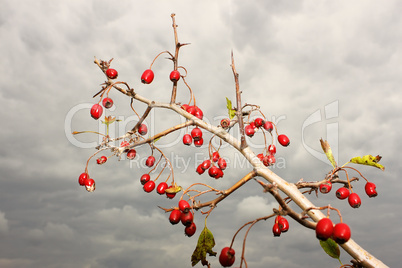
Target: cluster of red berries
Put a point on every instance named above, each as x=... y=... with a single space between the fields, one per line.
x=193 y=110
x=85 y=180
x=281 y=225
x=325 y=229
x=196 y=135
x=227 y=257
x=215 y=167
x=184 y=215
x=97 y=110
x=343 y=193
x=148 y=76
x=149 y=185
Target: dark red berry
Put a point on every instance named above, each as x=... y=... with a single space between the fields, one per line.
x=283 y=224
x=175 y=216
x=260 y=156
x=206 y=164
x=222 y=163
x=111 y=73
x=90 y=185
x=147 y=77
x=227 y=257
x=107 y=103
x=213 y=171
x=101 y=160
x=272 y=149
x=354 y=200
x=198 y=143
x=160 y=189
x=225 y=122
x=196 y=134
x=150 y=161
x=96 y=111
x=131 y=154
x=190 y=230
x=198 y=113
x=258 y=122
x=174 y=76
x=187 y=218
x=185 y=107
x=191 y=110
x=276 y=230
x=219 y=174
x=370 y=189
x=342 y=193
x=324 y=229
x=184 y=206
x=268 y=126
x=187 y=140
x=145 y=178
x=215 y=156
x=249 y=130
x=149 y=186
x=170 y=195
x=341 y=233
x=82 y=178
x=143 y=129
x=325 y=187
x=283 y=140
x=199 y=169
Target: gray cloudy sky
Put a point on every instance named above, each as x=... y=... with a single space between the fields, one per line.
x=328 y=69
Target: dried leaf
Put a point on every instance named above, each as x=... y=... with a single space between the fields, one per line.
x=328 y=152
x=331 y=248
x=175 y=189
x=368 y=160
x=205 y=244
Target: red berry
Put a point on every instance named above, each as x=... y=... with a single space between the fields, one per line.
x=283 y=224
x=185 y=107
x=260 y=156
x=149 y=186
x=213 y=171
x=175 y=216
x=199 y=169
x=283 y=140
x=198 y=143
x=143 y=129
x=206 y=164
x=150 y=161
x=219 y=173
x=184 y=206
x=107 y=103
x=196 y=134
x=341 y=233
x=354 y=200
x=227 y=257
x=170 y=195
x=324 y=229
x=90 y=185
x=191 y=110
x=268 y=126
x=101 y=160
x=160 y=189
x=249 y=130
x=225 y=122
x=174 y=76
x=268 y=160
x=145 y=178
x=198 y=113
x=258 y=122
x=342 y=193
x=276 y=230
x=82 y=178
x=222 y=163
x=147 y=77
x=370 y=189
x=272 y=149
x=111 y=73
x=187 y=140
x=187 y=218
x=190 y=230
x=325 y=187
x=215 y=156
x=131 y=154
x=96 y=111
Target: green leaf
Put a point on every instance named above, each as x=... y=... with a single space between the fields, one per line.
x=331 y=248
x=205 y=244
x=368 y=160
x=328 y=152
x=231 y=111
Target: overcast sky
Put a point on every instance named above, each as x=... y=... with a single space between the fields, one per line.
x=320 y=69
